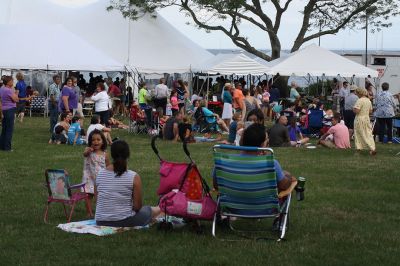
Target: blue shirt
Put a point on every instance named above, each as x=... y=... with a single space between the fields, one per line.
x=293 y=131
x=274 y=95
x=210 y=118
x=73 y=129
x=21 y=88
x=227 y=97
x=232 y=132
x=385 y=105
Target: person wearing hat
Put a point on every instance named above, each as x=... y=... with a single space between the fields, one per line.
x=348 y=114
x=363 y=137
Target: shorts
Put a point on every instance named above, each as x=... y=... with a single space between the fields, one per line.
x=21 y=107
x=141 y=218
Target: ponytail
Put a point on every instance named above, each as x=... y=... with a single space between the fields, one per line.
x=120 y=154
x=120 y=166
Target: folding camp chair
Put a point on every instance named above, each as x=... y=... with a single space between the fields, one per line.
x=247 y=187
x=137 y=124
x=38 y=105
x=57 y=182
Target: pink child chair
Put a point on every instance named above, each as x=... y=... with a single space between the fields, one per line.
x=57 y=182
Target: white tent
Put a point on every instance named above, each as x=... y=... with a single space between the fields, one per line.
x=51 y=47
x=150 y=45
x=316 y=61
x=232 y=64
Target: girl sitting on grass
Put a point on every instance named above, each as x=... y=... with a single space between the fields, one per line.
x=96 y=158
x=119 y=193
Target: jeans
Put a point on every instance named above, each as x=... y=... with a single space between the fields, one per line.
x=382 y=123
x=7 y=129
x=104 y=116
x=53 y=110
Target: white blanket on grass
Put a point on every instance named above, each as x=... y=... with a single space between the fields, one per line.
x=90 y=227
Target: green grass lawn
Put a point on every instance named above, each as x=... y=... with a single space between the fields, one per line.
x=350 y=215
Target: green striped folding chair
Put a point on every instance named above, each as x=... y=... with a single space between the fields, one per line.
x=247 y=186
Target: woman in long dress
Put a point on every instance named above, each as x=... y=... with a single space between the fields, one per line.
x=363 y=137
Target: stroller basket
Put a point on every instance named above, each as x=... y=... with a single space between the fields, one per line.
x=183 y=191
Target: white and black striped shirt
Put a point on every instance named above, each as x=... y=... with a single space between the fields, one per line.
x=114 y=195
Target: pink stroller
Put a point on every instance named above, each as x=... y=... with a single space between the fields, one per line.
x=183 y=191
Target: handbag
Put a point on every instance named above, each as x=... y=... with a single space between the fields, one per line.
x=192 y=200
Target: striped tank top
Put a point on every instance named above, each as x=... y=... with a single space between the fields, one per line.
x=114 y=195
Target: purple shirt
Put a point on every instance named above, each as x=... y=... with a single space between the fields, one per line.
x=293 y=133
x=6 y=100
x=72 y=99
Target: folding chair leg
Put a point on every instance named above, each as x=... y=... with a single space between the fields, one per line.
x=285 y=223
x=214 y=225
x=65 y=211
x=71 y=212
x=46 y=213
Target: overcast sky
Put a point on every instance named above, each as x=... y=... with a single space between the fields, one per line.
x=388 y=39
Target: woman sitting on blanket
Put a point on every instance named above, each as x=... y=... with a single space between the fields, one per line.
x=119 y=193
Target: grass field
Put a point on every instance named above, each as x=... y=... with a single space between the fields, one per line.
x=350 y=215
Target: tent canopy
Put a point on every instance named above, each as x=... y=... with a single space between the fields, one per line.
x=51 y=47
x=316 y=61
x=232 y=64
x=151 y=45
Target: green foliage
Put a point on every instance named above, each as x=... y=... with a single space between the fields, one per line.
x=320 y=17
x=350 y=209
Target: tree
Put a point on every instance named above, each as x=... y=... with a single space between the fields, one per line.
x=319 y=17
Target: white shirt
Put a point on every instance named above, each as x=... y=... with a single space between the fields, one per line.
x=91 y=128
x=343 y=92
x=161 y=91
x=101 y=100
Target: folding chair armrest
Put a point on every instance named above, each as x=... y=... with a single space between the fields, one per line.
x=288 y=191
x=76 y=186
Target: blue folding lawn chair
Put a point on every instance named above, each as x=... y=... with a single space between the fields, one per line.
x=247 y=187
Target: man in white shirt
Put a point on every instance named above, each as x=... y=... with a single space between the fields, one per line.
x=95 y=124
x=160 y=97
x=344 y=91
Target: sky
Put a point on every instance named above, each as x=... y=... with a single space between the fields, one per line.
x=387 y=39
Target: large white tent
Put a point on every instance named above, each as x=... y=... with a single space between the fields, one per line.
x=149 y=45
x=317 y=61
x=52 y=47
x=232 y=64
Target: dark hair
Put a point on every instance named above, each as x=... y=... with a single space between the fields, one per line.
x=385 y=86
x=7 y=79
x=100 y=85
x=345 y=82
x=95 y=119
x=254 y=135
x=66 y=81
x=292 y=122
x=258 y=113
x=56 y=77
x=58 y=129
x=63 y=116
x=245 y=92
x=120 y=154
x=337 y=117
x=103 y=138
x=75 y=119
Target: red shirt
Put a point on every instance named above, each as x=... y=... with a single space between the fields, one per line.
x=114 y=90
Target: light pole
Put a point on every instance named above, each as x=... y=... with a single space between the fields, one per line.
x=370 y=10
x=320 y=29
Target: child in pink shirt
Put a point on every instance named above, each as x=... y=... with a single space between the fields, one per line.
x=174 y=102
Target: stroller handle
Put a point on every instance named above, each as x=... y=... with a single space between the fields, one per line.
x=153 y=146
x=185 y=149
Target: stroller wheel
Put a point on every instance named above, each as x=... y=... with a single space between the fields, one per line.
x=165 y=226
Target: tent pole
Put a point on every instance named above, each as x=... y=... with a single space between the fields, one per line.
x=208 y=87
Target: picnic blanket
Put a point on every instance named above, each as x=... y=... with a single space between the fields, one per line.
x=90 y=227
x=204 y=139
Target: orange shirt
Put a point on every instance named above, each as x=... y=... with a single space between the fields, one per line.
x=237 y=98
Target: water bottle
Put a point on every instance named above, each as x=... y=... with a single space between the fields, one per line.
x=301 y=181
